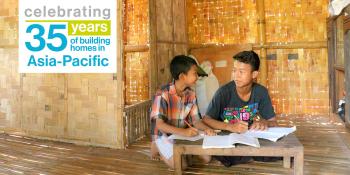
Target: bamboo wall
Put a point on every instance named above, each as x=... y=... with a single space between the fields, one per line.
x=136 y=60
x=10 y=80
x=221 y=21
x=79 y=108
x=293 y=27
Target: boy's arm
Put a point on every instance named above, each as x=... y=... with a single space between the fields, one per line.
x=272 y=122
x=263 y=124
x=214 y=123
x=164 y=127
x=202 y=126
x=238 y=127
x=266 y=116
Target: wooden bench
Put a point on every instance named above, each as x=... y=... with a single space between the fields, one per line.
x=288 y=147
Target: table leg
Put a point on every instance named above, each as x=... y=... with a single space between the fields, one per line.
x=286 y=161
x=299 y=163
x=177 y=160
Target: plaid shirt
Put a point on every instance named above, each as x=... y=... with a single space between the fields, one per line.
x=173 y=109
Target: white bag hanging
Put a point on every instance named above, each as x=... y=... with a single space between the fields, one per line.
x=206 y=87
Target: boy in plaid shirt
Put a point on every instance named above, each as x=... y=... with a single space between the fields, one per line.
x=174 y=106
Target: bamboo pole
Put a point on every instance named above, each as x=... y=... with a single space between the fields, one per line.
x=15 y=46
x=153 y=47
x=270 y=45
x=261 y=40
x=292 y=45
x=120 y=81
x=347 y=71
x=138 y=48
x=192 y=47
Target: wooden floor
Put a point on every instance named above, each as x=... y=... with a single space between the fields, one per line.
x=326 y=143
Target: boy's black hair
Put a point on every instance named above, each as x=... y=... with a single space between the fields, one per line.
x=248 y=57
x=181 y=64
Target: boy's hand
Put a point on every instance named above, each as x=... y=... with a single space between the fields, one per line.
x=209 y=132
x=259 y=125
x=190 y=132
x=238 y=127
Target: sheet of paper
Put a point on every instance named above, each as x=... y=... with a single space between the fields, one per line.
x=272 y=134
x=217 y=142
x=284 y=130
x=229 y=141
x=165 y=146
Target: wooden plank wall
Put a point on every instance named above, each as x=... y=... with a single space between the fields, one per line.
x=220 y=58
x=347 y=68
x=79 y=108
x=168 y=37
x=331 y=56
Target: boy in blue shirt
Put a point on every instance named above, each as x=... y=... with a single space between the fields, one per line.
x=241 y=104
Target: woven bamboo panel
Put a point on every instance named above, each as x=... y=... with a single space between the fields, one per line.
x=136 y=77
x=44 y=105
x=299 y=86
x=8 y=23
x=136 y=22
x=136 y=33
x=221 y=21
x=92 y=108
x=10 y=89
x=79 y=107
x=296 y=20
x=296 y=86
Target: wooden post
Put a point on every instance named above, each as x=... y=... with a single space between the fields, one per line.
x=299 y=163
x=347 y=70
x=286 y=161
x=177 y=160
x=120 y=80
x=331 y=55
x=347 y=77
x=152 y=66
x=262 y=40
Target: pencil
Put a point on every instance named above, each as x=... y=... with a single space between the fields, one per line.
x=188 y=124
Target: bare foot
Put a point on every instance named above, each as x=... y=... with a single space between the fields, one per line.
x=154 y=152
x=155 y=157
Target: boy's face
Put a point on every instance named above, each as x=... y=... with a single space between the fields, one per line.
x=243 y=73
x=191 y=77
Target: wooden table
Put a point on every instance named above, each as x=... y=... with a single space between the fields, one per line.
x=288 y=147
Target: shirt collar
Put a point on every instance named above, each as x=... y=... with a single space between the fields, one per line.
x=172 y=89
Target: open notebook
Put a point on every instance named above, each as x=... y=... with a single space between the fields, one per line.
x=272 y=134
x=228 y=141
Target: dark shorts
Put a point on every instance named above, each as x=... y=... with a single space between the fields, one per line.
x=228 y=161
